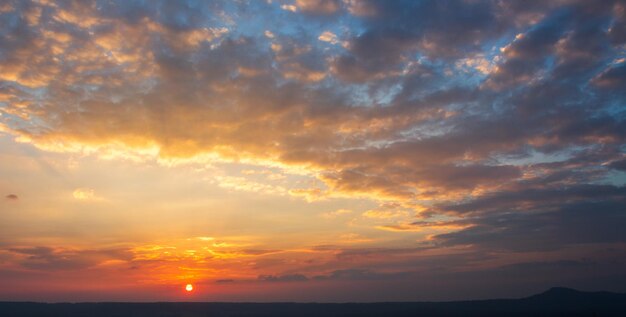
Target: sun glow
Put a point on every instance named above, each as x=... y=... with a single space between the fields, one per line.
x=189 y=288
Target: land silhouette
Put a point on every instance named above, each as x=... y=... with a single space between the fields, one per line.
x=556 y=301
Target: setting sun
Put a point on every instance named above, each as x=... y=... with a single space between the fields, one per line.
x=189 y=288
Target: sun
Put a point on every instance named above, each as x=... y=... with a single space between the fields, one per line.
x=189 y=288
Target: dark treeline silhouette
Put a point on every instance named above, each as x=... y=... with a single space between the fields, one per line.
x=554 y=302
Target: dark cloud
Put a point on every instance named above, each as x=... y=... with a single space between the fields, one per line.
x=52 y=259
x=11 y=197
x=612 y=78
x=438 y=28
x=176 y=16
x=359 y=274
x=532 y=198
x=617 y=31
x=585 y=222
x=283 y=278
x=400 y=29
x=346 y=275
x=619 y=165
x=527 y=54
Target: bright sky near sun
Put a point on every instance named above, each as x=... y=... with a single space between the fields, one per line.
x=314 y=150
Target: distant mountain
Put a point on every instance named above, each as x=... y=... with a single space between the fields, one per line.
x=561 y=299
x=556 y=301
x=564 y=294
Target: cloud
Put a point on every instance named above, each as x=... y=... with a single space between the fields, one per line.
x=541 y=228
x=528 y=198
x=289 y=7
x=321 y=7
x=351 y=238
x=346 y=274
x=283 y=278
x=619 y=165
x=84 y=194
x=361 y=8
x=422 y=226
x=394 y=31
x=336 y=213
x=12 y=197
x=52 y=259
x=358 y=274
x=384 y=214
x=612 y=77
x=508 y=118
x=437 y=135
x=329 y=37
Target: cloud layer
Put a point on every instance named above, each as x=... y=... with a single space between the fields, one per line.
x=490 y=125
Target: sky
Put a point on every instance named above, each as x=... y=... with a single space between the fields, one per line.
x=311 y=150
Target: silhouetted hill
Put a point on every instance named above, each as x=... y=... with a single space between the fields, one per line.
x=563 y=294
x=554 y=302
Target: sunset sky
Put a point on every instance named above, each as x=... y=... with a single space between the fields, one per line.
x=311 y=150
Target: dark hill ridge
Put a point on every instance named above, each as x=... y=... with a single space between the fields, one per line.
x=554 y=302
x=561 y=294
